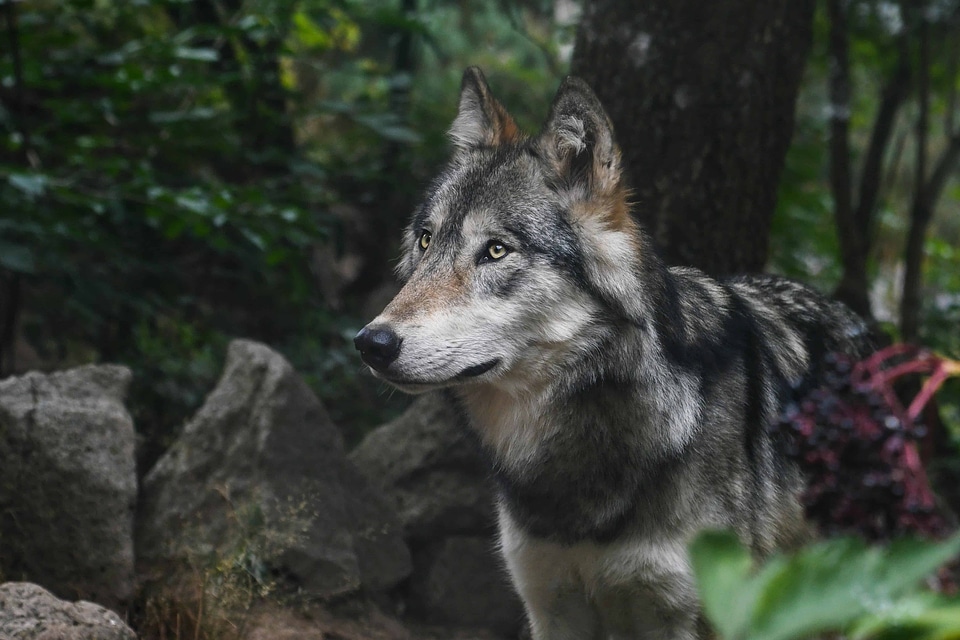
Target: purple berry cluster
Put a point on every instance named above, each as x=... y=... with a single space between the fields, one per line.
x=859 y=450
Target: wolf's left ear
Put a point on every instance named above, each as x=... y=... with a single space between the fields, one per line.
x=578 y=139
x=481 y=121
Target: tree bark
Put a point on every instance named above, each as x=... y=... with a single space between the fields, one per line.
x=10 y=292
x=702 y=96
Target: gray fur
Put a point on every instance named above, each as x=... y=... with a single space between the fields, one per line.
x=625 y=404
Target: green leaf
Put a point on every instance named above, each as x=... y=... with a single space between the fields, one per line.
x=198 y=113
x=16 y=258
x=925 y=616
x=833 y=585
x=194 y=203
x=255 y=239
x=31 y=184
x=309 y=34
x=389 y=127
x=908 y=561
x=201 y=54
x=820 y=589
x=722 y=567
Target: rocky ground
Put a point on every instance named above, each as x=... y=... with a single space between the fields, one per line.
x=256 y=523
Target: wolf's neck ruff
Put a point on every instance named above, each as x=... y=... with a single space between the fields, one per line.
x=623 y=404
x=574 y=460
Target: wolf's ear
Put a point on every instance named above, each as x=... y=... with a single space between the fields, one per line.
x=481 y=121
x=578 y=139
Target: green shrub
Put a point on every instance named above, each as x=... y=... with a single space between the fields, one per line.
x=841 y=585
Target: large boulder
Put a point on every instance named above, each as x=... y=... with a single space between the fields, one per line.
x=29 y=612
x=462 y=580
x=429 y=466
x=260 y=470
x=68 y=483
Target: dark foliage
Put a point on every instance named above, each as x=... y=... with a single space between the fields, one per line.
x=860 y=448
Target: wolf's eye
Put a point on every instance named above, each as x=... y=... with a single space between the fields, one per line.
x=495 y=250
x=425 y=238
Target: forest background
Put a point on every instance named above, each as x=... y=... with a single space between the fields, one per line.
x=176 y=173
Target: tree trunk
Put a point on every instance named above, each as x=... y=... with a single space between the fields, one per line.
x=9 y=313
x=921 y=210
x=854 y=284
x=702 y=96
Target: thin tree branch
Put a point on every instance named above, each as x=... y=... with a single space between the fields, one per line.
x=892 y=96
x=941 y=173
x=953 y=61
x=893 y=168
x=853 y=285
x=839 y=91
x=920 y=211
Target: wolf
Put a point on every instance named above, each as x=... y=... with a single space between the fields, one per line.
x=623 y=404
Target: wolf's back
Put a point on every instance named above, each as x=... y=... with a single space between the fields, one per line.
x=803 y=320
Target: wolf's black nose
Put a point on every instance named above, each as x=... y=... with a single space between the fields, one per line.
x=378 y=346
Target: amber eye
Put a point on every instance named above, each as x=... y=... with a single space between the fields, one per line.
x=496 y=250
x=425 y=238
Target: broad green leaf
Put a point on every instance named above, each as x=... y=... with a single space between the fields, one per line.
x=822 y=588
x=833 y=585
x=925 y=616
x=722 y=567
x=908 y=561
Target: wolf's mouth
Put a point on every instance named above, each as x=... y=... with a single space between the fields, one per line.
x=418 y=386
x=479 y=369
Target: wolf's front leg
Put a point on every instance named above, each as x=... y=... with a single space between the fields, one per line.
x=545 y=577
x=560 y=614
x=665 y=609
x=556 y=605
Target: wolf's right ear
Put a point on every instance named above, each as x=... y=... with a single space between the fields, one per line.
x=481 y=121
x=578 y=139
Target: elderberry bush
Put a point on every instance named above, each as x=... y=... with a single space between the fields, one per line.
x=858 y=448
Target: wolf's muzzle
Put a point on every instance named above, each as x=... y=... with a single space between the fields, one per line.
x=378 y=346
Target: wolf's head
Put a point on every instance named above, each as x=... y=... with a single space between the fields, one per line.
x=521 y=256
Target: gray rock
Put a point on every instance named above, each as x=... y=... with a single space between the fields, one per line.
x=461 y=580
x=68 y=483
x=429 y=466
x=261 y=466
x=29 y=612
